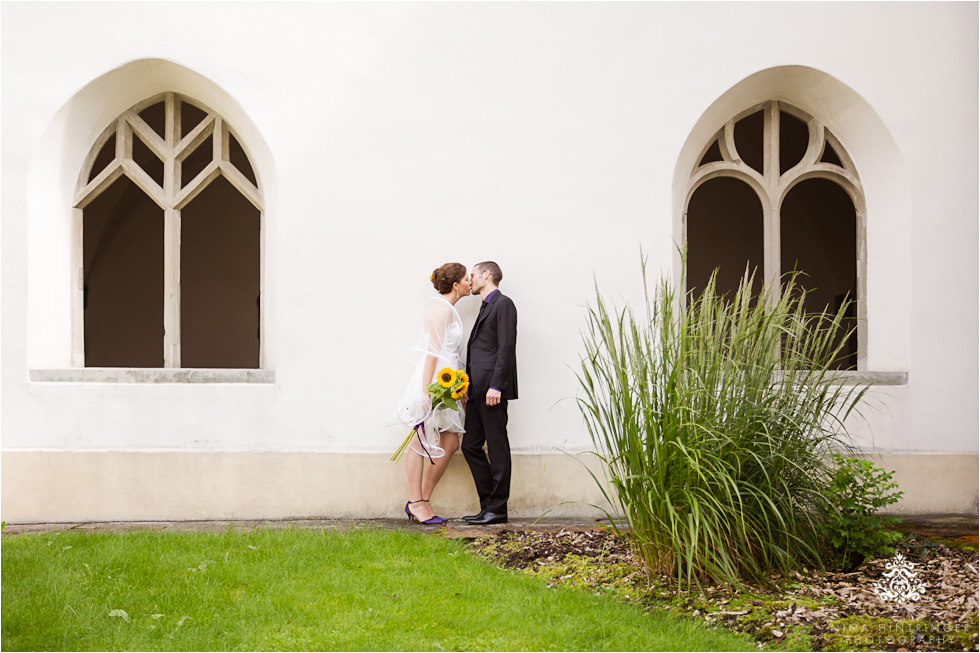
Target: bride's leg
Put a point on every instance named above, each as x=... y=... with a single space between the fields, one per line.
x=449 y=442
x=413 y=467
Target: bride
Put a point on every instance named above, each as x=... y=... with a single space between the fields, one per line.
x=440 y=346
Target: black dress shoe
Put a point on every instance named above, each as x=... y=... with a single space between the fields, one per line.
x=488 y=518
x=476 y=516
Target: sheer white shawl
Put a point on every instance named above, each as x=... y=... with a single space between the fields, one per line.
x=440 y=338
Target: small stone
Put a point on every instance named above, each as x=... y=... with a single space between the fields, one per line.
x=777 y=633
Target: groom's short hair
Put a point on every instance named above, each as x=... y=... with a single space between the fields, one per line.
x=495 y=274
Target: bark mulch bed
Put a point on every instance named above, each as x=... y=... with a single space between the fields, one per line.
x=810 y=609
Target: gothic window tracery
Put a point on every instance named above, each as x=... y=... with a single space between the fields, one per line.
x=167 y=243
x=774 y=191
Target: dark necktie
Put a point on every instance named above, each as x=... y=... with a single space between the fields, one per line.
x=483 y=306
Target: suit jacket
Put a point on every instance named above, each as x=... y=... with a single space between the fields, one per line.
x=491 y=357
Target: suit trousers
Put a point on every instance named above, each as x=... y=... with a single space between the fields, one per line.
x=492 y=477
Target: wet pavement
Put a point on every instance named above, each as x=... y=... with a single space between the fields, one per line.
x=959 y=529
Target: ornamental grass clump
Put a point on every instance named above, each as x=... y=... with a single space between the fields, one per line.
x=717 y=423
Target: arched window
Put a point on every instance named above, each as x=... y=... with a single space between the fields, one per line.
x=168 y=223
x=774 y=190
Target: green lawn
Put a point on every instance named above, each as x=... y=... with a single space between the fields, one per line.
x=305 y=590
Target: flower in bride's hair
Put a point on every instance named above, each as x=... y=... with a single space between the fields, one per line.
x=430 y=277
x=447 y=377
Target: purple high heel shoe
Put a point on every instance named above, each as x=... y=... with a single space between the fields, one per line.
x=434 y=521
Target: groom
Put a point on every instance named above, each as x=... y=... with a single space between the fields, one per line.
x=491 y=364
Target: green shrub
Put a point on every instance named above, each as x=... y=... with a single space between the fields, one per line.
x=716 y=423
x=857 y=490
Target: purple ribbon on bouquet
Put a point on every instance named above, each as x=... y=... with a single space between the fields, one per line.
x=423 y=444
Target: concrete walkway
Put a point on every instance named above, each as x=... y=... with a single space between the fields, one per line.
x=956 y=528
x=452 y=528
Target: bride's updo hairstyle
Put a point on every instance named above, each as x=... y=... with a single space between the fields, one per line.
x=444 y=277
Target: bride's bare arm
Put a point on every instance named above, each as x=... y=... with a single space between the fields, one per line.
x=435 y=329
x=428 y=372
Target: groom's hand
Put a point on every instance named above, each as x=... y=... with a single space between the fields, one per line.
x=493 y=397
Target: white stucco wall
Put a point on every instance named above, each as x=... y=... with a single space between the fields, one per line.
x=391 y=138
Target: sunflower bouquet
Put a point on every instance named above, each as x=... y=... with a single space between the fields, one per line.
x=449 y=386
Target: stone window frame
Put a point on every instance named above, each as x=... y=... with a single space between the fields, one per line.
x=772 y=187
x=171 y=149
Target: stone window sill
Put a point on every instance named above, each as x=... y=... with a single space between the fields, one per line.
x=851 y=377
x=152 y=375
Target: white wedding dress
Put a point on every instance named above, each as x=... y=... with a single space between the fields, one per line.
x=442 y=338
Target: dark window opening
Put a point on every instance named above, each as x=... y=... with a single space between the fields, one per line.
x=196 y=161
x=748 y=140
x=219 y=279
x=156 y=117
x=238 y=158
x=724 y=231
x=794 y=136
x=713 y=154
x=190 y=117
x=122 y=234
x=103 y=158
x=147 y=160
x=830 y=156
x=818 y=238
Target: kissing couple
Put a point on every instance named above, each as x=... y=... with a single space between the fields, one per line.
x=471 y=405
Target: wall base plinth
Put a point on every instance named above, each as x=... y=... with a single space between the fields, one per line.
x=83 y=486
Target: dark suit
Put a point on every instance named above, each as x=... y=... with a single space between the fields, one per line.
x=491 y=362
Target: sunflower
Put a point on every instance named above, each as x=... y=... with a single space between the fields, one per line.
x=464 y=377
x=458 y=392
x=447 y=377
x=463 y=387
